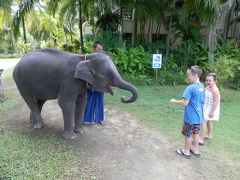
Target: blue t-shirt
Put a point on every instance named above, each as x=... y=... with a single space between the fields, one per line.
x=193 y=112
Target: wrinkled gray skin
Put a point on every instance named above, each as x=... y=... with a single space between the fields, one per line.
x=51 y=74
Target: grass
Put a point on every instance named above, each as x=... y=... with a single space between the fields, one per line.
x=10 y=100
x=23 y=157
x=154 y=109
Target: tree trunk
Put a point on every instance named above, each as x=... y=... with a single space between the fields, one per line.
x=149 y=29
x=226 y=26
x=80 y=24
x=24 y=31
x=142 y=31
x=212 y=42
x=156 y=32
x=212 y=36
x=135 y=31
x=169 y=31
x=12 y=40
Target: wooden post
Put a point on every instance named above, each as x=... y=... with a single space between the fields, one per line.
x=156 y=72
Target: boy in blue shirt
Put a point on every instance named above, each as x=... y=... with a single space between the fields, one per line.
x=193 y=101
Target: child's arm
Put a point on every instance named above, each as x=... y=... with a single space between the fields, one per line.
x=182 y=102
x=216 y=99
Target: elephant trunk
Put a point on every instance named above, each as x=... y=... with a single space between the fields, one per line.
x=129 y=87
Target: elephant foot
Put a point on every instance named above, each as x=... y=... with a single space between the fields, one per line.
x=69 y=135
x=38 y=125
x=78 y=130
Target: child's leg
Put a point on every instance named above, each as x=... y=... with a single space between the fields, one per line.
x=202 y=132
x=196 y=142
x=187 y=146
x=210 y=128
x=187 y=132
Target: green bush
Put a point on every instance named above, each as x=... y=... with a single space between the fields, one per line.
x=160 y=45
x=136 y=66
x=139 y=79
x=228 y=49
x=224 y=67
x=229 y=73
x=171 y=74
x=24 y=48
x=234 y=82
x=132 y=61
x=190 y=53
x=15 y=55
x=167 y=77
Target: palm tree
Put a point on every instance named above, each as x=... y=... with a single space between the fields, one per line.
x=190 y=15
x=5 y=10
x=25 y=7
x=223 y=8
x=71 y=8
x=6 y=5
x=5 y=20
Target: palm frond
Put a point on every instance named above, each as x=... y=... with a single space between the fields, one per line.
x=24 y=8
x=6 y=5
x=205 y=10
x=52 y=6
x=68 y=5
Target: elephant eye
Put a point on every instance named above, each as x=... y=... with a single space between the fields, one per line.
x=109 y=75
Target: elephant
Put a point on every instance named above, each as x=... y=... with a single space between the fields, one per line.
x=47 y=74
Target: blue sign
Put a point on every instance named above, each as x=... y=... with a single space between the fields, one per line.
x=157 y=61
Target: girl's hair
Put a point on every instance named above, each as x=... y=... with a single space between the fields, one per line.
x=213 y=75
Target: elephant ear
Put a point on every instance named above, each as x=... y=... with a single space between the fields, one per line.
x=84 y=72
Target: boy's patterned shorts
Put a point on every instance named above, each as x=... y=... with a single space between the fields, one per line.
x=189 y=129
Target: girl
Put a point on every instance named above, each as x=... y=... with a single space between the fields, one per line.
x=211 y=107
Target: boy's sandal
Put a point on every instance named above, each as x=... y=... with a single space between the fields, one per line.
x=195 y=154
x=181 y=153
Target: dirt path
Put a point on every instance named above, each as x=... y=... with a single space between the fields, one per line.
x=125 y=149
x=8 y=64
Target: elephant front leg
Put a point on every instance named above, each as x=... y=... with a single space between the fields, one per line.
x=79 y=112
x=68 y=110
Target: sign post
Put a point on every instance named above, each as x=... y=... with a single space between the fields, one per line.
x=157 y=63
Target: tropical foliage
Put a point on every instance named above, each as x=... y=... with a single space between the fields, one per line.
x=133 y=61
x=26 y=25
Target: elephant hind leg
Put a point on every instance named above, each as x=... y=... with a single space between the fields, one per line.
x=35 y=115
